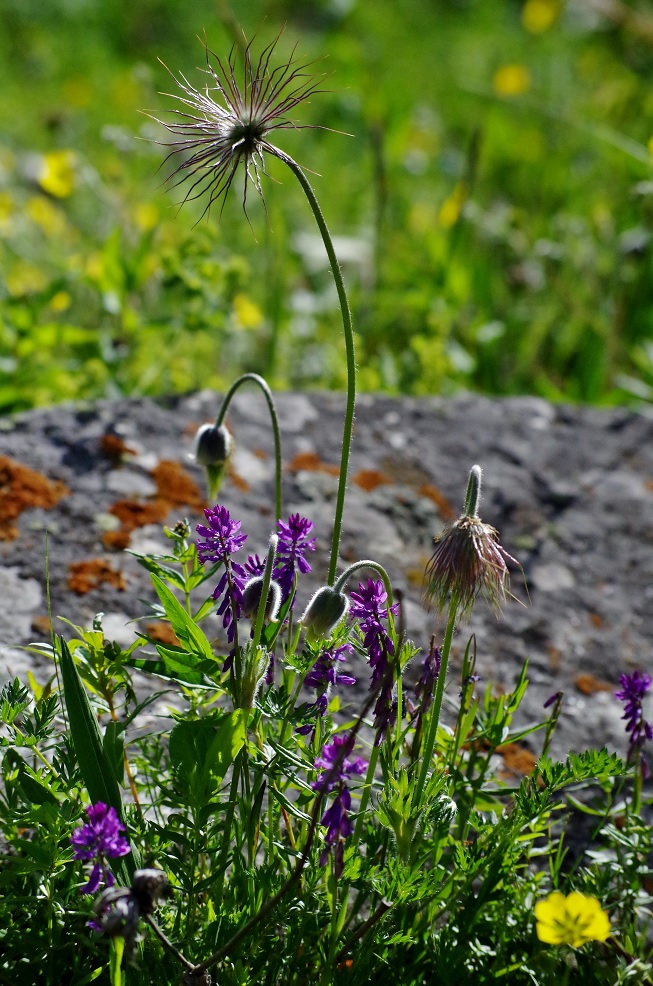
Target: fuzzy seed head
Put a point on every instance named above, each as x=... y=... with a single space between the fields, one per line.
x=227 y=123
x=467 y=560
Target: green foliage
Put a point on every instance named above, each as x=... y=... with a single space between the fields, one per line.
x=498 y=234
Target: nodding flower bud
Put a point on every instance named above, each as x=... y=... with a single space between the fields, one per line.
x=213 y=445
x=324 y=612
x=252 y=598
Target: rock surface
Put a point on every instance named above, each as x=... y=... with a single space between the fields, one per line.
x=569 y=489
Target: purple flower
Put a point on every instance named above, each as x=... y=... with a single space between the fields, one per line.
x=337 y=767
x=633 y=689
x=221 y=540
x=322 y=676
x=99 y=840
x=335 y=764
x=428 y=678
x=367 y=606
x=325 y=670
x=292 y=548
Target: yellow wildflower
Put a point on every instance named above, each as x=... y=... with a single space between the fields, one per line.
x=538 y=16
x=47 y=216
x=57 y=173
x=571 y=920
x=511 y=80
x=60 y=302
x=451 y=208
x=248 y=313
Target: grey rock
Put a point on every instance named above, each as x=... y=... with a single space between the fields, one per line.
x=570 y=490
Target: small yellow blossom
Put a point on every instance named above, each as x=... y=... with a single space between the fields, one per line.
x=60 y=302
x=451 y=208
x=47 y=216
x=6 y=213
x=571 y=920
x=248 y=313
x=511 y=80
x=538 y=16
x=24 y=279
x=650 y=146
x=57 y=173
x=146 y=215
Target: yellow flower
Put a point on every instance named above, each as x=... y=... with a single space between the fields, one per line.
x=451 y=208
x=650 y=146
x=45 y=215
x=248 y=313
x=511 y=80
x=60 y=302
x=538 y=16
x=571 y=920
x=57 y=173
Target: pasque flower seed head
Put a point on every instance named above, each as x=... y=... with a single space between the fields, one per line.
x=226 y=124
x=468 y=559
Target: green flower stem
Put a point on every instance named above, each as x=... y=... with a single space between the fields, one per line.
x=368 y=563
x=365 y=796
x=349 y=347
x=255 y=378
x=267 y=577
x=115 y=960
x=434 y=718
x=226 y=835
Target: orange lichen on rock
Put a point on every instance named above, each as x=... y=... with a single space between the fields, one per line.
x=92 y=573
x=517 y=759
x=162 y=633
x=114 y=448
x=176 y=486
x=311 y=462
x=432 y=493
x=587 y=684
x=369 y=479
x=22 y=488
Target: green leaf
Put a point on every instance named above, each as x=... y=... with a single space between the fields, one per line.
x=94 y=764
x=113 y=746
x=190 y=635
x=202 y=750
x=163 y=572
x=171 y=667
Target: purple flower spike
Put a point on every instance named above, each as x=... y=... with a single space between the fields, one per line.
x=428 y=678
x=292 y=548
x=221 y=537
x=337 y=767
x=220 y=540
x=99 y=840
x=322 y=676
x=335 y=763
x=633 y=689
x=367 y=607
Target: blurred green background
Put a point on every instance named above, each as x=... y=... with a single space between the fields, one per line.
x=492 y=208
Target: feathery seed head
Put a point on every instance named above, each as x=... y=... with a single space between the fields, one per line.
x=468 y=559
x=227 y=124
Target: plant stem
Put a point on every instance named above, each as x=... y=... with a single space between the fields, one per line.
x=434 y=718
x=255 y=378
x=226 y=837
x=349 y=348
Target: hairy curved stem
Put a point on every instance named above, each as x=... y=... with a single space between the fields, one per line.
x=255 y=378
x=349 y=348
x=434 y=717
